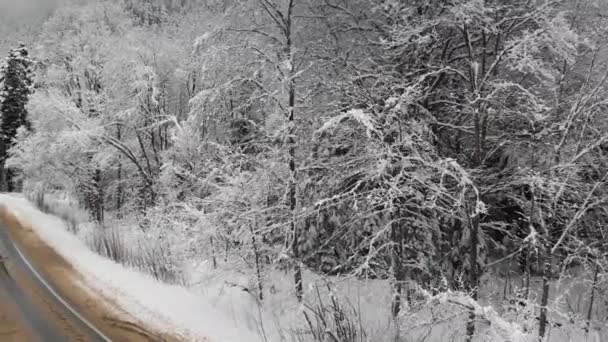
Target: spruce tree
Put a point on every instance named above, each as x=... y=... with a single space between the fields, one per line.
x=15 y=88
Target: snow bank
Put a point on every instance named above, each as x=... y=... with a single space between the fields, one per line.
x=213 y=310
x=166 y=307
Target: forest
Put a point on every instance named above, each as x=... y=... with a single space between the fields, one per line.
x=445 y=157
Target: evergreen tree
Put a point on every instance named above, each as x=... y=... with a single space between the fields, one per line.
x=15 y=88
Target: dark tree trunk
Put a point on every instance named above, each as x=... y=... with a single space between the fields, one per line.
x=474 y=274
x=397 y=266
x=592 y=299
x=291 y=142
x=98 y=196
x=226 y=249
x=10 y=180
x=527 y=274
x=119 y=179
x=213 y=252
x=6 y=179
x=258 y=264
x=3 y=178
x=547 y=269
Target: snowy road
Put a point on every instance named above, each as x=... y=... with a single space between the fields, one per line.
x=47 y=315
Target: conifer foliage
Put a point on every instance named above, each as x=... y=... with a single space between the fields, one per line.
x=15 y=88
x=444 y=150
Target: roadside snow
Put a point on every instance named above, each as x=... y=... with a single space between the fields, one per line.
x=215 y=308
x=166 y=307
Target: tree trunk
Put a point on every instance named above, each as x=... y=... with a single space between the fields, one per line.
x=119 y=192
x=592 y=299
x=544 y=297
x=474 y=274
x=10 y=185
x=6 y=178
x=99 y=197
x=258 y=265
x=527 y=260
x=291 y=141
x=213 y=256
x=474 y=220
x=297 y=272
x=397 y=267
x=226 y=249
x=505 y=289
x=119 y=179
x=3 y=184
x=527 y=275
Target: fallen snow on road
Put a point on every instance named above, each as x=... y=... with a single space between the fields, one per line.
x=169 y=308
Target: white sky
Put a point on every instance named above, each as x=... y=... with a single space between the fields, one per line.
x=20 y=19
x=25 y=8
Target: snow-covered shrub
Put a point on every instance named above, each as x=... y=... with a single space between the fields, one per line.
x=332 y=319
x=135 y=251
x=59 y=205
x=441 y=317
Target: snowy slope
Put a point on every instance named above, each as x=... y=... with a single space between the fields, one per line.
x=167 y=307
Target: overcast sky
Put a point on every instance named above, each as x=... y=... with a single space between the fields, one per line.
x=25 y=8
x=20 y=19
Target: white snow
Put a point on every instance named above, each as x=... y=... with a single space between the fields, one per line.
x=168 y=307
x=211 y=309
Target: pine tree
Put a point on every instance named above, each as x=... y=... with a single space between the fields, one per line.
x=15 y=88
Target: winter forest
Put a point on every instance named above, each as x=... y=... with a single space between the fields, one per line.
x=331 y=170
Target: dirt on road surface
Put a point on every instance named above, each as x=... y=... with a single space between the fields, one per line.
x=12 y=328
x=102 y=313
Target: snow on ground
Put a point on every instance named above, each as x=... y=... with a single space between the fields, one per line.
x=169 y=307
x=212 y=302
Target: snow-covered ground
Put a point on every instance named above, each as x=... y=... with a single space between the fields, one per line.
x=211 y=302
x=168 y=307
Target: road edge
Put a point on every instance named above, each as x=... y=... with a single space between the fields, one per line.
x=107 y=314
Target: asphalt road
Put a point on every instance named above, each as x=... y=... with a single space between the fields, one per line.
x=38 y=308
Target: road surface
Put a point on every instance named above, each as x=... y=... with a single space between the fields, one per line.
x=64 y=323
x=42 y=297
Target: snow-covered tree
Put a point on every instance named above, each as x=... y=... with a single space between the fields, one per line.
x=15 y=88
x=424 y=143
